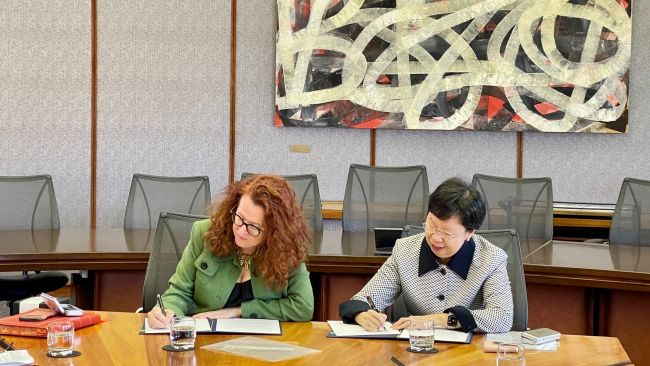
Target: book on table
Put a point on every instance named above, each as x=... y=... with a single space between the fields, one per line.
x=236 y=326
x=342 y=330
x=12 y=325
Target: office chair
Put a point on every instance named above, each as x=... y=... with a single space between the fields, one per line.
x=410 y=230
x=508 y=240
x=524 y=204
x=28 y=203
x=307 y=193
x=150 y=195
x=384 y=197
x=171 y=238
x=631 y=219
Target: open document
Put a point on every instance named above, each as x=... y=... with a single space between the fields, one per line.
x=237 y=325
x=342 y=330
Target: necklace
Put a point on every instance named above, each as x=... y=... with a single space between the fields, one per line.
x=244 y=259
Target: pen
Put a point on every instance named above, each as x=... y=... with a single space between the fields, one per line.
x=160 y=303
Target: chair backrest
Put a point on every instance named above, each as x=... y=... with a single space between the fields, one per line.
x=28 y=202
x=307 y=193
x=524 y=204
x=385 y=197
x=410 y=230
x=151 y=195
x=631 y=219
x=508 y=240
x=171 y=238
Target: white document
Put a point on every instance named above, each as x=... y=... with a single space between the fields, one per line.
x=16 y=358
x=202 y=326
x=248 y=326
x=353 y=330
x=515 y=337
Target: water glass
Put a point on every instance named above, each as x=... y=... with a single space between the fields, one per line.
x=182 y=332
x=511 y=354
x=60 y=338
x=421 y=335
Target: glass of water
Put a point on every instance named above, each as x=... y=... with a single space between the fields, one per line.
x=60 y=338
x=511 y=354
x=182 y=332
x=421 y=335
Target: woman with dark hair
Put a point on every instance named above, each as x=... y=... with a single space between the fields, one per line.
x=447 y=273
x=246 y=261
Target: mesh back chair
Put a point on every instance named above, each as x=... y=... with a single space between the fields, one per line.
x=171 y=238
x=308 y=196
x=523 y=204
x=384 y=197
x=28 y=204
x=508 y=240
x=631 y=219
x=151 y=195
x=410 y=230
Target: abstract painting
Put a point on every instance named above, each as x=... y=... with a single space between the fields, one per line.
x=478 y=65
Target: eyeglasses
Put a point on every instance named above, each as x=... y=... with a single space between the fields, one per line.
x=433 y=229
x=239 y=221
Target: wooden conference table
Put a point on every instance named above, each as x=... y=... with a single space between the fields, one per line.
x=576 y=288
x=117 y=342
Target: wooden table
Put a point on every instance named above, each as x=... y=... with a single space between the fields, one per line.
x=117 y=342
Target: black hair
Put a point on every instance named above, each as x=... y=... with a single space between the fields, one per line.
x=454 y=197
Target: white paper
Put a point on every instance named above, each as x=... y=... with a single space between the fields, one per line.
x=15 y=358
x=202 y=325
x=353 y=330
x=248 y=326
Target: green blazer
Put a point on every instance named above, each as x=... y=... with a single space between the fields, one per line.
x=203 y=282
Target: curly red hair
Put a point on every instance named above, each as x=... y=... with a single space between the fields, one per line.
x=287 y=234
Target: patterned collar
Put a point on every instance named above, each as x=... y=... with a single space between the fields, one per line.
x=459 y=263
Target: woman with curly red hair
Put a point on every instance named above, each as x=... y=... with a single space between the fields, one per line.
x=246 y=261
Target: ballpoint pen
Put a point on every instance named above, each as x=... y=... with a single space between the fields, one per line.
x=160 y=303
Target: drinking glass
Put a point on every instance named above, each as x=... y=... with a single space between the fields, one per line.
x=511 y=354
x=421 y=335
x=182 y=332
x=60 y=338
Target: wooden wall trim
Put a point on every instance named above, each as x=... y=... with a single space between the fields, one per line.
x=233 y=87
x=373 y=146
x=520 y=154
x=93 y=113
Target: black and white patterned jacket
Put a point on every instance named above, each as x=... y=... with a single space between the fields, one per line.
x=474 y=284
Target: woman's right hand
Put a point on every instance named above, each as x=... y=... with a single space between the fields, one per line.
x=371 y=320
x=156 y=319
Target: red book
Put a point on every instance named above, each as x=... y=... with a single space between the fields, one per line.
x=12 y=325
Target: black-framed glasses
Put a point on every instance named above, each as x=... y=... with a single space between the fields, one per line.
x=239 y=221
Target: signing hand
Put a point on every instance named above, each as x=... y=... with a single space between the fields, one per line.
x=156 y=319
x=226 y=313
x=371 y=320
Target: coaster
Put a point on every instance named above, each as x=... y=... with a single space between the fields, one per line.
x=65 y=355
x=170 y=348
x=432 y=350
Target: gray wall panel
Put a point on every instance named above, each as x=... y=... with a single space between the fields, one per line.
x=449 y=154
x=591 y=168
x=261 y=147
x=163 y=95
x=45 y=98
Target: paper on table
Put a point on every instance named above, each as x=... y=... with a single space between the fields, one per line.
x=202 y=325
x=19 y=357
x=250 y=326
x=260 y=348
x=353 y=330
